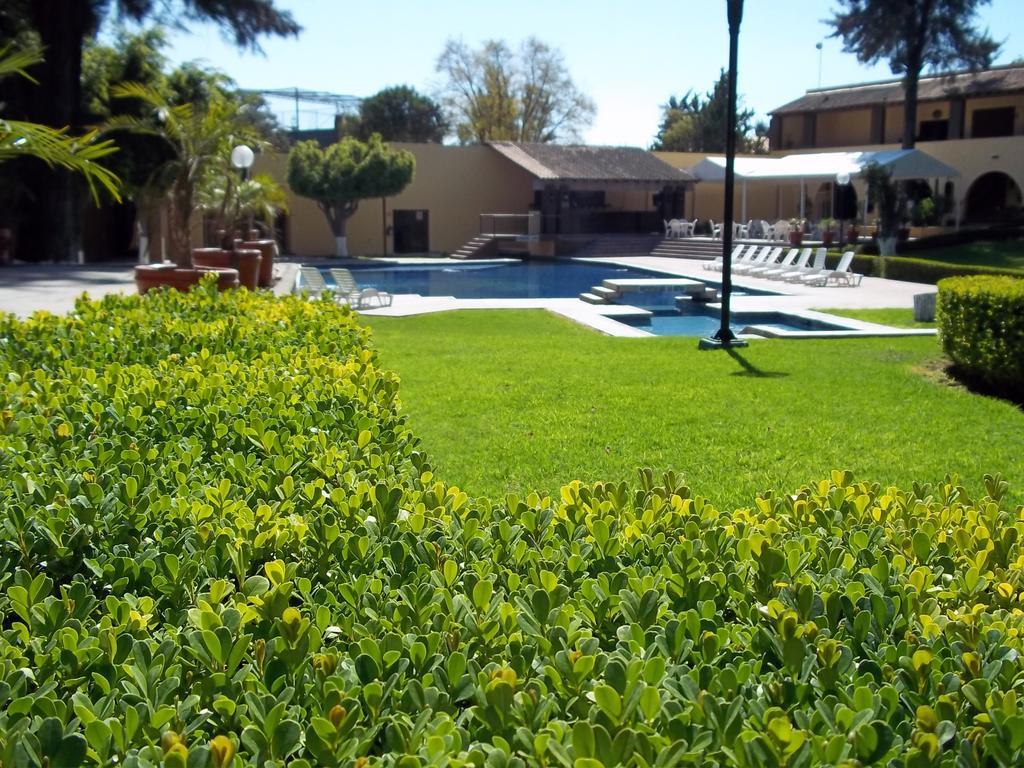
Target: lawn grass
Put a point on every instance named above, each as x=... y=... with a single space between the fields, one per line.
x=514 y=401
x=1005 y=254
x=895 y=317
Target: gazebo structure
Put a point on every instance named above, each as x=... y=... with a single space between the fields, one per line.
x=902 y=164
x=584 y=190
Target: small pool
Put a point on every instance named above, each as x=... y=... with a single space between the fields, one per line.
x=704 y=321
x=492 y=280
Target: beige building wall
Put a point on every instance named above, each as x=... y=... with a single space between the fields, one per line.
x=770 y=200
x=453 y=184
x=792 y=130
x=1015 y=100
x=843 y=127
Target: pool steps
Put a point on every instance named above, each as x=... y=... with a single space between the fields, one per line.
x=615 y=288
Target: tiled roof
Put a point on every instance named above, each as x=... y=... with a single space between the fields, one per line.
x=557 y=162
x=987 y=82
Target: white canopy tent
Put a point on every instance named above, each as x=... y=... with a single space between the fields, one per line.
x=901 y=164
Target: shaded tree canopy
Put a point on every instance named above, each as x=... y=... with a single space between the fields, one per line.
x=913 y=35
x=401 y=113
x=494 y=93
x=341 y=175
x=695 y=123
x=61 y=28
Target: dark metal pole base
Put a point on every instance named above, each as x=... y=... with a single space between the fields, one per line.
x=713 y=342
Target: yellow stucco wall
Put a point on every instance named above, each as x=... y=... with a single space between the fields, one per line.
x=792 y=130
x=843 y=127
x=455 y=184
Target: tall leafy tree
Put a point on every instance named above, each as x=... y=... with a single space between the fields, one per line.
x=339 y=177
x=401 y=113
x=62 y=28
x=494 y=93
x=695 y=123
x=913 y=35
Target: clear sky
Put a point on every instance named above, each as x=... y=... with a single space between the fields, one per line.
x=628 y=57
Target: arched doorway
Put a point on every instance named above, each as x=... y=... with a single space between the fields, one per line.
x=992 y=196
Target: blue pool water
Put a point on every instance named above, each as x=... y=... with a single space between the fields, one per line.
x=493 y=280
x=704 y=321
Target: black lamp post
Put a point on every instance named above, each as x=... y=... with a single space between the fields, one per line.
x=725 y=338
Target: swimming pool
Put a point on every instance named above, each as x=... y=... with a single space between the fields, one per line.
x=698 y=320
x=493 y=280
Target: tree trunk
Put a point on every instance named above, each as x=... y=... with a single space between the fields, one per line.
x=178 y=227
x=910 y=108
x=53 y=220
x=340 y=240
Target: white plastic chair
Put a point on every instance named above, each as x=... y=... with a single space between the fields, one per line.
x=816 y=268
x=789 y=264
x=841 y=272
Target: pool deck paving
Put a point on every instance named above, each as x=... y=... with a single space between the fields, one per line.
x=790 y=298
x=25 y=289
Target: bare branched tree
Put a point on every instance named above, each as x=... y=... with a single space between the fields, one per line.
x=495 y=94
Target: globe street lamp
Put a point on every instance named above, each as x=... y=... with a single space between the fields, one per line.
x=725 y=338
x=242 y=158
x=842 y=179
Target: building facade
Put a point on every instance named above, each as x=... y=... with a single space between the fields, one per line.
x=973 y=121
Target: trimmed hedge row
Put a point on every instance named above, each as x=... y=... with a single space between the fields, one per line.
x=981 y=324
x=220 y=547
x=931 y=272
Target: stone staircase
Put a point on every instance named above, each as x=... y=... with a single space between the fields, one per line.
x=480 y=247
x=618 y=245
x=688 y=248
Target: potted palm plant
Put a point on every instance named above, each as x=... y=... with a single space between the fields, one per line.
x=235 y=207
x=828 y=233
x=198 y=137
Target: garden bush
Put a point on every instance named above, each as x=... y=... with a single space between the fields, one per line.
x=221 y=548
x=981 y=324
x=931 y=272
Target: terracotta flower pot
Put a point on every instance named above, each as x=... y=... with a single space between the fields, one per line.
x=796 y=237
x=211 y=257
x=149 y=276
x=247 y=261
x=268 y=248
x=827 y=237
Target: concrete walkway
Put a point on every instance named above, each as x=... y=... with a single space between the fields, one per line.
x=28 y=288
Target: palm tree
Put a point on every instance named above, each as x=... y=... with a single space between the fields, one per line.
x=236 y=204
x=53 y=146
x=200 y=137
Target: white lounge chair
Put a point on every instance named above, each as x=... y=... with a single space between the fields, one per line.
x=358 y=298
x=737 y=257
x=797 y=269
x=816 y=268
x=763 y=258
x=371 y=297
x=312 y=280
x=841 y=272
x=774 y=264
x=796 y=259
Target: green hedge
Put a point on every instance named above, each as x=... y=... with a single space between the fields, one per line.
x=221 y=547
x=981 y=324
x=931 y=272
